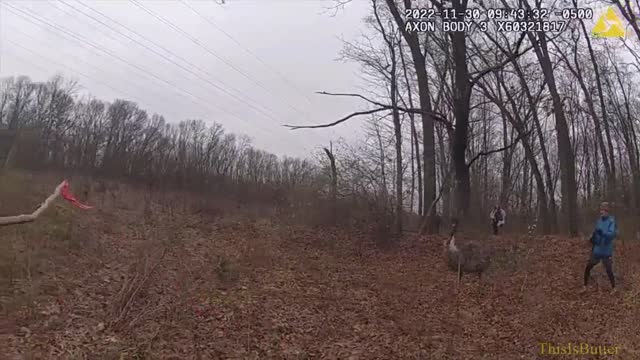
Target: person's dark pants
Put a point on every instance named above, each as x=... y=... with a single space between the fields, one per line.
x=494 y=224
x=593 y=261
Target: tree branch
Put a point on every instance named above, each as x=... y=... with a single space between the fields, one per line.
x=509 y=59
x=357 y=113
x=381 y=107
x=25 y=218
x=351 y=95
x=486 y=153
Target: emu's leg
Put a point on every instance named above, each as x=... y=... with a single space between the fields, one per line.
x=459 y=272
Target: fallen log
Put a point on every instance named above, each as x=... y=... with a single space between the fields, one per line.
x=61 y=190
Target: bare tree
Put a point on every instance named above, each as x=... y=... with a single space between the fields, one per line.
x=565 y=150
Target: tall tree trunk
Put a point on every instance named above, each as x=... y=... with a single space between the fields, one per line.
x=445 y=168
x=524 y=200
x=506 y=165
x=609 y=162
x=552 y=219
x=485 y=163
x=413 y=174
x=630 y=140
x=383 y=172
x=586 y=167
x=418 y=167
x=461 y=101
x=390 y=40
x=397 y=128
x=527 y=143
x=565 y=151
x=577 y=72
x=419 y=63
x=414 y=138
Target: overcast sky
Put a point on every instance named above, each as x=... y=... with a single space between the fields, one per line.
x=274 y=56
x=251 y=65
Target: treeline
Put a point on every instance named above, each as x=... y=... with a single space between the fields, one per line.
x=56 y=128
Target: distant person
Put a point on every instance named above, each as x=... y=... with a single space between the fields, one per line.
x=497 y=216
x=602 y=244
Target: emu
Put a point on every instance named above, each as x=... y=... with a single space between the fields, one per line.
x=468 y=257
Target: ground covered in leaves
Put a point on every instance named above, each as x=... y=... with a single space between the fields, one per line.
x=160 y=277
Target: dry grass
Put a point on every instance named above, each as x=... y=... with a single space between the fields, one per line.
x=164 y=277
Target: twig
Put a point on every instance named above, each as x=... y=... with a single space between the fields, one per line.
x=485 y=153
x=500 y=65
x=357 y=113
x=146 y=314
x=380 y=107
x=131 y=290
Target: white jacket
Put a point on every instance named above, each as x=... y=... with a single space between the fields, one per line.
x=502 y=212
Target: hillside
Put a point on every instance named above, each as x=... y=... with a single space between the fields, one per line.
x=166 y=276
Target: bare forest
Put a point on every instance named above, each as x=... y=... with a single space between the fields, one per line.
x=201 y=245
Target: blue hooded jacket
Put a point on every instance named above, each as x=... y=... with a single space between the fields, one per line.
x=603 y=236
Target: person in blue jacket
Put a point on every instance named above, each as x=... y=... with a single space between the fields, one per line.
x=602 y=244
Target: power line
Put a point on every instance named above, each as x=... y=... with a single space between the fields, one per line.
x=79 y=60
x=197 y=42
x=65 y=33
x=216 y=86
x=29 y=17
x=72 y=70
x=240 y=93
x=76 y=37
x=25 y=60
x=246 y=50
x=265 y=130
x=208 y=20
x=82 y=40
x=119 y=91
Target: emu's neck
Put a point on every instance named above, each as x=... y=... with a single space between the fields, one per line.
x=452 y=244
